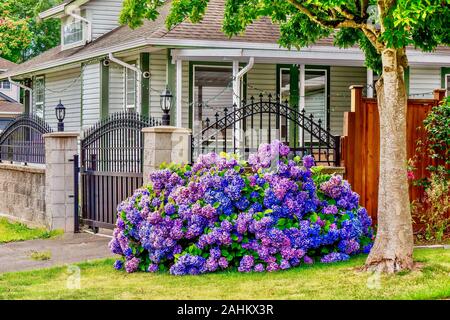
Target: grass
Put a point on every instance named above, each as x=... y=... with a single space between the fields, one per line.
x=98 y=280
x=41 y=255
x=16 y=231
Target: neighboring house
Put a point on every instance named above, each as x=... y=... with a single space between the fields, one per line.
x=9 y=109
x=101 y=67
x=7 y=87
x=9 y=96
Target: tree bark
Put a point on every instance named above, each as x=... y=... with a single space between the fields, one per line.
x=393 y=247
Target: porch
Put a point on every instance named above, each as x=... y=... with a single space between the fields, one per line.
x=236 y=99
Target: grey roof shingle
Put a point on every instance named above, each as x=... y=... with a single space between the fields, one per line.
x=210 y=29
x=6 y=64
x=9 y=105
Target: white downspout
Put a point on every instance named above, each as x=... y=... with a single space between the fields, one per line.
x=88 y=23
x=25 y=88
x=135 y=69
x=124 y=64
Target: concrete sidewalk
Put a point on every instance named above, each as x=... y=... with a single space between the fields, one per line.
x=69 y=248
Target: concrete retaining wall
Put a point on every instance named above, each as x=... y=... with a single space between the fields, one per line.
x=22 y=193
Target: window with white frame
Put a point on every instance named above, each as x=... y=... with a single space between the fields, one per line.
x=130 y=89
x=39 y=91
x=5 y=85
x=72 y=32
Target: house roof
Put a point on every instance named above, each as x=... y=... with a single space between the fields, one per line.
x=209 y=30
x=4 y=97
x=6 y=64
x=9 y=105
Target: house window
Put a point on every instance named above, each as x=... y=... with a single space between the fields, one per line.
x=39 y=89
x=130 y=89
x=212 y=93
x=315 y=94
x=72 y=32
x=5 y=85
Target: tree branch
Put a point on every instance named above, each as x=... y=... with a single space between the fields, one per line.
x=344 y=13
x=369 y=31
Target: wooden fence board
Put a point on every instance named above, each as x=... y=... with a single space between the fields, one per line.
x=361 y=147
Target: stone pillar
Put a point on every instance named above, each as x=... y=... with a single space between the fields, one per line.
x=164 y=144
x=60 y=147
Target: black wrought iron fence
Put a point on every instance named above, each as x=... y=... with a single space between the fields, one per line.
x=22 y=140
x=242 y=129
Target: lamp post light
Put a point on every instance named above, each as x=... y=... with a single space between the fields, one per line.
x=60 y=111
x=166 y=102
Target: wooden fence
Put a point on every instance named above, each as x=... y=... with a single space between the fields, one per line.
x=361 y=145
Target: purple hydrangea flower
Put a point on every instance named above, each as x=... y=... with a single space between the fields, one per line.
x=118 y=265
x=273 y=214
x=308 y=161
x=132 y=265
x=334 y=257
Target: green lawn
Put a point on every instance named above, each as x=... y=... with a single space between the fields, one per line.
x=338 y=281
x=16 y=231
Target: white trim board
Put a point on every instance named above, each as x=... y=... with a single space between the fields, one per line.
x=263 y=51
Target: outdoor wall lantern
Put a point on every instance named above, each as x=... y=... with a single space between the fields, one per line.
x=60 y=111
x=166 y=102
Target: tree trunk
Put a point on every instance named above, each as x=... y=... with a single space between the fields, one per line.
x=393 y=247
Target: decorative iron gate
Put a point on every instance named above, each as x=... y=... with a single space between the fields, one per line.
x=241 y=130
x=111 y=165
x=22 y=140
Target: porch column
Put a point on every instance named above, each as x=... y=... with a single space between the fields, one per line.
x=179 y=92
x=236 y=101
x=302 y=86
x=302 y=95
x=369 y=83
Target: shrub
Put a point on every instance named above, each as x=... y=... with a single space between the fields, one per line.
x=219 y=214
x=432 y=210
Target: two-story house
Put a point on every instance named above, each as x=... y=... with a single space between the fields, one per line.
x=102 y=67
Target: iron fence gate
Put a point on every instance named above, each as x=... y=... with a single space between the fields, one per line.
x=111 y=166
x=242 y=129
x=22 y=140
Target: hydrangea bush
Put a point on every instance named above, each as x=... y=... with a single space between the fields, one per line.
x=268 y=214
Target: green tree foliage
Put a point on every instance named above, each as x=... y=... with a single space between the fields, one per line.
x=22 y=35
x=14 y=33
x=421 y=23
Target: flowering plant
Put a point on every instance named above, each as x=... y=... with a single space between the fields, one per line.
x=216 y=214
